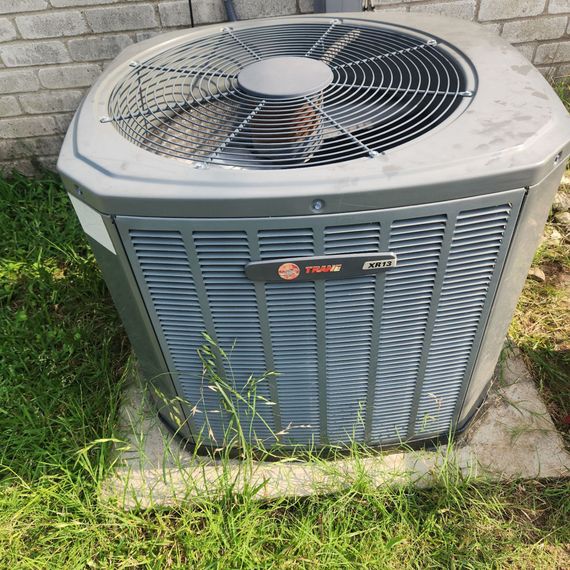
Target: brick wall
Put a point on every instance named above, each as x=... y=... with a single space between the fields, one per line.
x=540 y=29
x=52 y=50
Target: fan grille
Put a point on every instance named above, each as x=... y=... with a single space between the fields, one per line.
x=389 y=86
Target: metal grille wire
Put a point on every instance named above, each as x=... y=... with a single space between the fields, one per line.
x=389 y=86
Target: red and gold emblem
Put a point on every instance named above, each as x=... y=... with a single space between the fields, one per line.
x=289 y=271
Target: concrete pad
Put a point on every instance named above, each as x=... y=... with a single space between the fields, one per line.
x=512 y=436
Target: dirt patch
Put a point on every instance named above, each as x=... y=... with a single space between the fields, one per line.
x=554 y=271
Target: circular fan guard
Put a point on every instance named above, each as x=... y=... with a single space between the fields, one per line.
x=388 y=87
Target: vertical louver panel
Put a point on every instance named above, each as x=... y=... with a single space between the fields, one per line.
x=407 y=298
x=377 y=358
x=472 y=260
x=163 y=261
x=222 y=255
x=292 y=317
x=349 y=306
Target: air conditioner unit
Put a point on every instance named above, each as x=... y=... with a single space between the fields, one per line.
x=352 y=202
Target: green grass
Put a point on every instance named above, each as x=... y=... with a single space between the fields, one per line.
x=62 y=347
x=63 y=357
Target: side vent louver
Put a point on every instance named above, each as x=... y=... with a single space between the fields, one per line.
x=349 y=320
x=163 y=261
x=407 y=299
x=472 y=260
x=381 y=358
x=233 y=309
x=292 y=319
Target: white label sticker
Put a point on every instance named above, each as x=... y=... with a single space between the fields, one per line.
x=379 y=264
x=92 y=223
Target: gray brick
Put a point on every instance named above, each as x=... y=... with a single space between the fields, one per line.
x=464 y=9
x=34 y=53
x=142 y=36
x=208 y=11
x=527 y=50
x=18 y=81
x=76 y=3
x=7 y=30
x=542 y=28
x=26 y=167
x=547 y=71
x=62 y=121
x=247 y=9
x=494 y=26
x=51 y=25
x=16 y=6
x=49 y=162
x=9 y=106
x=502 y=9
x=553 y=53
x=383 y=2
x=306 y=6
x=69 y=76
x=174 y=14
x=116 y=18
x=37 y=146
x=50 y=101
x=97 y=48
x=388 y=9
x=21 y=127
x=563 y=71
x=559 y=7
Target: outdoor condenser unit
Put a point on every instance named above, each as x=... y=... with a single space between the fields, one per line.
x=352 y=202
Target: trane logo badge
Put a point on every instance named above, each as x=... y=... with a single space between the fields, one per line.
x=288 y=271
x=323 y=268
x=379 y=264
x=320 y=267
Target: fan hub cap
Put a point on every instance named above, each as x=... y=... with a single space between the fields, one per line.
x=284 y=77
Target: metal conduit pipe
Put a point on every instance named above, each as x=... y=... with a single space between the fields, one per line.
x=230 y=10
